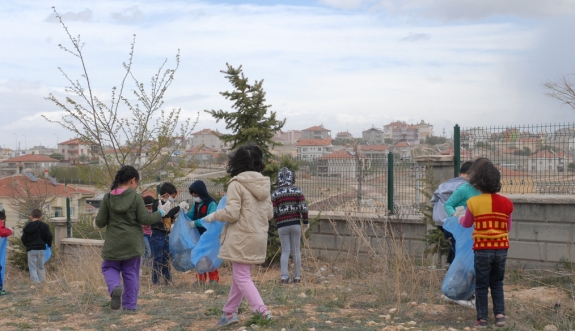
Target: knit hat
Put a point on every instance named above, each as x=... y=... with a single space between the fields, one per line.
x=148 y=200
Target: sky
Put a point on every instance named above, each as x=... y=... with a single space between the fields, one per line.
x=346 y=64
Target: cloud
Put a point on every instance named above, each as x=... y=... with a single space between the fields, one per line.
x=128 y=15
x=343 y=4
x=84 y=15
x=412 y=37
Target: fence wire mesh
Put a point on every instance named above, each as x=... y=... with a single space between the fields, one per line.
x=536 y=159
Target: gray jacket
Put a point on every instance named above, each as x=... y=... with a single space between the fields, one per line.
x=441 y=195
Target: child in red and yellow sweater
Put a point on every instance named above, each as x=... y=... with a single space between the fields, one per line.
x=490 y=214
x=4 y=232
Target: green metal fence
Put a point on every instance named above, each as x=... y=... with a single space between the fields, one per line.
x=349 y=183
x=536 y=159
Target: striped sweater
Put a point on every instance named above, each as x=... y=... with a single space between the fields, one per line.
x=490 y=214
x=288 y=201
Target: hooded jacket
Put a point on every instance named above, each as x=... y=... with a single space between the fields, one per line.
x=36 y=235
x=247 y=212
x=288 y=201
x=201 y=209
x=441 y=195
x=123 y=216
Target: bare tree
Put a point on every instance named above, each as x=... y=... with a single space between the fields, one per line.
x=141 y=136
x=563 y=90
x=28 y=195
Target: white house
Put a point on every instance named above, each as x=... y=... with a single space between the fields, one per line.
x=27 y=163
x=342 y=163
x=546 y=161
x=313 y=148
x=208 y=138
x=375 y=152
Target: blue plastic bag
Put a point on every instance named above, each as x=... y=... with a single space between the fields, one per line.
x=3 y=247
x=205 y=255
x=190 y=250
x=459 y=281
x=47 y=254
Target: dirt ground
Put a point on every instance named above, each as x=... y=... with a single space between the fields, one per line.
x=328 y=298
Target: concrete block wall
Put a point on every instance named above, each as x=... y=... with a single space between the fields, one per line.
x=543 y=231
x=333 y=237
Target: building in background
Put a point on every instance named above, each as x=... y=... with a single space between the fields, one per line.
x=313 y=148
x=344 y=136
x=208 y=138
x=372 y=136
x=401 y=131
x=76 y=151
x=288 y=138
x=316 y=132
x=375 y=152
x=547 y=161
x=23 y=187
x=33 y=163
x=343 y=164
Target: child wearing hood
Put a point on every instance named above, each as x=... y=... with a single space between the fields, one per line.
x=4 y=232
x=123 y=213
x=203 y=205
x=290 y=209
x=244 y=237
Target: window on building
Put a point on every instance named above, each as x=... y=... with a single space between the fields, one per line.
x=319 y=149
x=58 y=212
x=305 y=149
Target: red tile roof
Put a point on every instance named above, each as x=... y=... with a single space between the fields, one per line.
x=341 y=154
x=316 y=128
x=75 y=141
x=31 y=158
x=313 y=142
x=548 y=155
x=402 y=144
x=206 y=131
x=17 y=185
x=367 y=148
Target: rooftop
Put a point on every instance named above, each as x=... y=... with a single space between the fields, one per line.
x=31 y=158
x=21 y=185
x=314 y=142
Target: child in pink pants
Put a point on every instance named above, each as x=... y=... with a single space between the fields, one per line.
x=244 y=237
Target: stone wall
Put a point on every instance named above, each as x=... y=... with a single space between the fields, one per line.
x=543 y=231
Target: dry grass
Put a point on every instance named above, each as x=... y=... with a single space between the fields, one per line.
x=348 y=293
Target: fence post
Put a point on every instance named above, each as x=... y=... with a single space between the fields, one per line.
x=456 y=150
x=390 y=182
x=68 y=222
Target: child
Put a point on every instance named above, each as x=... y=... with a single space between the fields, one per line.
x=123 y=213
x=148 y=202
x=440 y=196
x=490 y=214
x=289 y=209
x=35 y=236
x=244 y=237
x=160 y=241
x=203 y=205
x=464 y=192
x=4 y=232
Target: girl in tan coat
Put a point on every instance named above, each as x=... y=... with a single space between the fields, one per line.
x=244 y=237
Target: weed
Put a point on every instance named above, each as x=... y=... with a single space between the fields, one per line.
x=258 y=319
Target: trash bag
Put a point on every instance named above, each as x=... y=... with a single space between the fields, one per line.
x=459 y=281
x=3 y=248
x=205 y=255
x=190 y=250
x=47 y=254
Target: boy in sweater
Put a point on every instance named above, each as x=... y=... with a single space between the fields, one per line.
x=290 y=209
x=35 y=236
x=4 y=232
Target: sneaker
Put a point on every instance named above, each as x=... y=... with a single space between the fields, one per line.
x=480 y=324
x=296 y=280
x=228 y=319
x=116 y=301
x=284 y=280
x=267 y=315
x=2 y=292
x=500 y=321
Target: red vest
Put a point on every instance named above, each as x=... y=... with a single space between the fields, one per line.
x=491 y=213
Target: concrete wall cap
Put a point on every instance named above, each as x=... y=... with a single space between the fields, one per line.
x=82 y=242
x=550 y=199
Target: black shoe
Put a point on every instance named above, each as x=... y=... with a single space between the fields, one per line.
x=296 y=280
x=284 y=281
x=116 y=301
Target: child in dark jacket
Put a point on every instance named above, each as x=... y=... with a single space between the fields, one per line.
x=123 y=213
x=160 y=240
x=289 y=209
x=203 y=205
x=35 y=236
x=4 y=232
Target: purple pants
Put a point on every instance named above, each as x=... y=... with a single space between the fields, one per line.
x=130 y=270
x=243 y=286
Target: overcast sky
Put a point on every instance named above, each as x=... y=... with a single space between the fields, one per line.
x=346 y=64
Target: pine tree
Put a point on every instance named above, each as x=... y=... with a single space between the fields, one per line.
x=248 y=122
